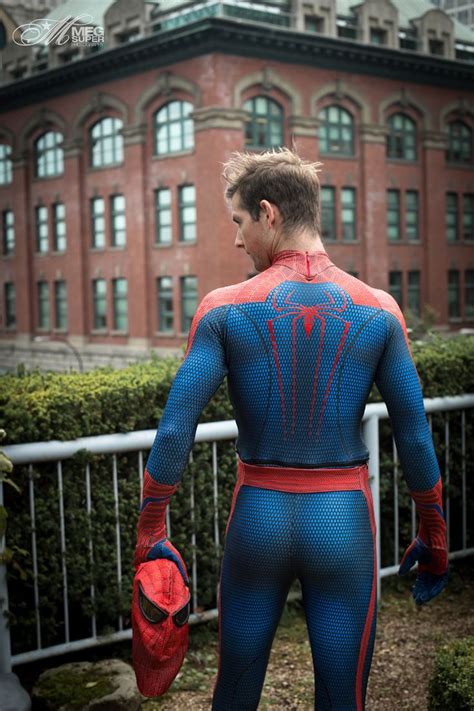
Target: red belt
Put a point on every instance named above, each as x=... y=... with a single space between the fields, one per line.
x=302 y=480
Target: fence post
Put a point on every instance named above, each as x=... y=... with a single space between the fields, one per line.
x=371 y=438
x=5 y=644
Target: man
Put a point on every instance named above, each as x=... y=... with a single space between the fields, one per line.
x=301 y=344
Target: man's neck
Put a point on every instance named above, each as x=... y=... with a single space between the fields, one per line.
x=303 y=242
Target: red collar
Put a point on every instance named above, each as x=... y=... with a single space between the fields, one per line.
x=306 y=263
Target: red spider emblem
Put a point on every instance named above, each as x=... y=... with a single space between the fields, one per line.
x=308 y=315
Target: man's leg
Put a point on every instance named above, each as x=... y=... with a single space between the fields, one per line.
x=336 y=566
x=255 y=578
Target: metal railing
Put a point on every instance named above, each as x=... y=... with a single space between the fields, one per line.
x=115 y=444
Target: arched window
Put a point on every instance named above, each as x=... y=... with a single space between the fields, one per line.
x=459 y=143
x=174 y=130
x=265 y=128
x=401 y=139
x=106 y=142
x=49 y=154
x=5 y=164
x=336 y=134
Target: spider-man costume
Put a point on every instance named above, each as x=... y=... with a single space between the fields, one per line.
x=301 y=345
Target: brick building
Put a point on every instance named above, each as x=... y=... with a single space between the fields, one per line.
x=113 y=222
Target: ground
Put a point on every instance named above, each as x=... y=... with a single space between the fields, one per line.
x=407 y=638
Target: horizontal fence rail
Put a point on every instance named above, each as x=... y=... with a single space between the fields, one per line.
x=139 y=442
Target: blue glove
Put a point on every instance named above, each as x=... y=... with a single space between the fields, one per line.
x=428 y=583
x=165 y=549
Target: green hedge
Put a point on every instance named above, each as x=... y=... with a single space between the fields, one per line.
x=452 y=684
x=38 y=407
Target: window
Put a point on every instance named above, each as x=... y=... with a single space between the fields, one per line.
x=59 y=227
x=451 y=217
x=469 y=293
x=328 y=213
x=106 y=142
x=348 y=214
x=49 y=155
x=165 y=304
x=314 y=24
x=414 y=292
x=42 y=229
x=187 y=213
x=188 y=301
x=265 y=127
x=98 y=222
x=119 y=288
x=454 y=294
x=459 y=143
x=60 y=305
x=99 y=296
x=395 y=287
x=117 y=215
x=436 y=47
x=174 y=130
x=8 y=224
x=411 y=216
x=393 y=215
x=10 y=308
x=378 y=36
x=401 y=139
x=336 y=134
x=43 y=304
x=163 y=216
x=5 y=164
x=468 y=217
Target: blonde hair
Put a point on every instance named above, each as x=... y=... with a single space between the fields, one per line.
x=283 y=178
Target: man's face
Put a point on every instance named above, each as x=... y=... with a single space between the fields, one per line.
x=251 y=235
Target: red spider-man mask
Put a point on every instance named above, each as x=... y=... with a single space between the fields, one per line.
x=160 y=612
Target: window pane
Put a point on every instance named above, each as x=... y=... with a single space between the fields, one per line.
x=393 y=215
x=188 y=301
x=454 y=295
x=99 y=288
x=452 y=217
x=395 y=287
x=468 y=217
x=165 y=304
x=469 y=293
x=173 y=129
x=414 y=292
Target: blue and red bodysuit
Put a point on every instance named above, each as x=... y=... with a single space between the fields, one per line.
x=301 y=345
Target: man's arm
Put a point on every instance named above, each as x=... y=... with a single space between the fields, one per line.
x=399 y=386
x=196 y=381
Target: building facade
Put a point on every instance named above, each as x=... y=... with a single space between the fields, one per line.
x=113 y=222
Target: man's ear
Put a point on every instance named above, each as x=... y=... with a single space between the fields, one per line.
x=270 y=213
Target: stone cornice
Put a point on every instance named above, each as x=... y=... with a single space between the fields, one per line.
x=304 y=126
x=435 y=140
x=134 y=134
x=241 y=39
x=373 y=133
x=219 y=117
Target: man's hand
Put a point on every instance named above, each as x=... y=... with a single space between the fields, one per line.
x=165 y=549
x=432 y=575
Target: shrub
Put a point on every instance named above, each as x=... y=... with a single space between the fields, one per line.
x=44 y=406
x=452 y=684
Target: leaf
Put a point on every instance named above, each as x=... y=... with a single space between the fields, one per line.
x=5 y=464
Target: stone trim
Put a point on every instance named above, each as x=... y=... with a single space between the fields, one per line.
x=434 y=140
x=73 y=148
x=99 y=105
x=403 y=99
x=340 y=90
x=268 y=79
x=461 y=108
x=164 y=86
x=135 y=134
x=373 y=133
x=41 y=119
x=304 y=126
x=219 y=117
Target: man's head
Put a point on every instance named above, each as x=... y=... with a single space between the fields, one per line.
x=275 y=197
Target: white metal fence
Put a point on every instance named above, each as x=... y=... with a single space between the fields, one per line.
x=55 y=451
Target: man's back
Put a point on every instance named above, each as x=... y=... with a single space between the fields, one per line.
x=301 y=344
